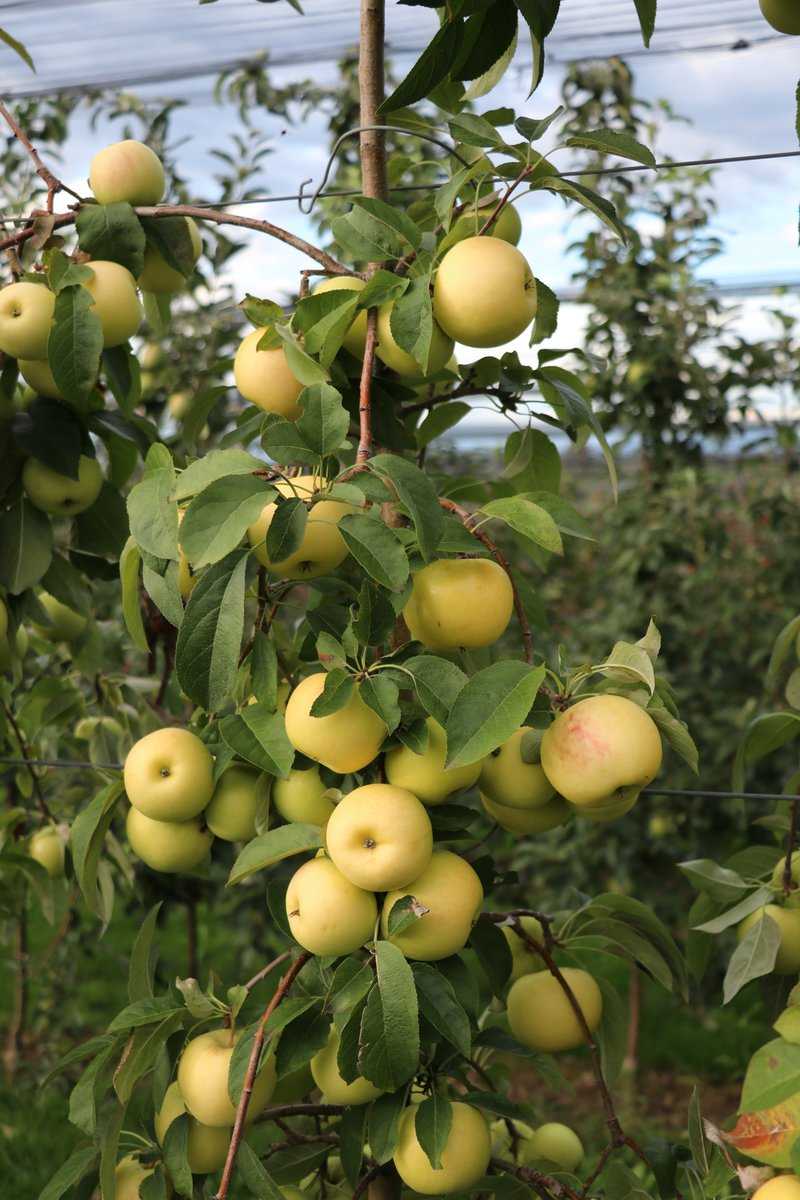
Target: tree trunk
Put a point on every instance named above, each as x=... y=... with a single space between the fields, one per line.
x=370 y=88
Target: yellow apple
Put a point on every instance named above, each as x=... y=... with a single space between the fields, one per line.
x=525 y=960
x=327 y=913
x=47 y=848
x=20 y=648
x=380 y=837
x=302 y=797
x=457 y=602
x=66 y=625
x=425 y=774
x=115 y=301
x=158 y=276
x=186 y=575
x=508 y=780
x=26 y=314
x=788 y=921
x=399 y=360
x=322 y=549
x=452 y=891
x=345 y=741
x=168 y=775
x=207 y=1146
x=528 y=820
x=484 y=293
x=554 y=1143
x=600 y=814
x=203 y=1079
x=778 y=869
x=783 y=15
x=601 y=751
x=37 y=374
x=507 y=227
x=265 y=379
x=355 y=338
x=540 y=1015
x=178 y=404
x=128 y=1175
x=465 y=1158
x=59 y=495
x=231 y=815
x=127 y=171
x=334 y=1090
x=782 y=1187
x=172 y=847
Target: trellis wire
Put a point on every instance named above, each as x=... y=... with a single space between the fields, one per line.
x=77 y=765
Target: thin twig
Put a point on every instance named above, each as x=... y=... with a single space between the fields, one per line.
x=365 y=389
x=265 y=971
x=466 y=519
x=23 y=747
x=791 y=840
x=365 y=1181
x=301 y=1110
x=544 y=1185
x=250 y=1075
x=51 y=181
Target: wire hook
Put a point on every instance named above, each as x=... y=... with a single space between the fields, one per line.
x=428 y=137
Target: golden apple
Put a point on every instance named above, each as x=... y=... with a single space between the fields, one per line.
x=203 y=1079
x=484 y=293
x=66 y=625
x=10 y=651
x=322 y=549
x=37 y=374
x=380 y=837
x=507 y=227
x=158 y=276
x=115 y=301
x=59 y=495
x=345 y=741
x=783 y=15
x=465 y=1158
x=600 y=814
x=399 y=360
x=26 y=315
x=601 y=751
x=540 y=1015
x=355 y=338
x=782 y=1187
x=451 y=890
x=554 y=1143
x=334 y=1090
x=47 y=848
x=264 y=378
x=127 y=171
x=327 y=913
x=231 y=815
x=128 y=1176
x=457 y=602
x=425 y=774
x=528 y=820
x=508 y=780
x=303 y=797
x=525 y=960
x=178 y=404
x=788 y=922
x=168 y=775
x=172 y=847
x=207 y=1145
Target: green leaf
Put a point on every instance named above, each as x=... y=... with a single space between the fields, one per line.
x=493 y=953
x=546 y=319
x=302 y=366
x=718 y=882
x=749 y=904
x=489 y=708
x=87 y=836
x=773 y=1074
x=129 y=564
x=152 y=512
x=441 y=419
x=19 y=49
x=141 y=968
x=677 y=735
x=381 y=695
x=148 y=1011
x=324 y=421
x=646 y=12
x=433 y=1120
x=258 y=735
x=301 y=1039
x=215 y=465
x=416 y=493
x=384 y=1124
x=142 y=1052
x=26 y=546
x=411 y=322
x=112 y=232
x=376 y=548
x=531 y=520
x=337 y=690
x=170 y=237
x=91 y=1086
x=75 y=344
x=437 y=1001
x=374 y=230
x=207 y=650
x=264 y=671
x=52 y=433
x=375 y=617
x=389 y=1050
x=612 y=141
x=380 y=287
x=753 y=957
x=175 y=1150
x=284 y=442
x=430 y=69
x=286 y=529
x=164 y=591
x=592 y=201
x=216 y=521
x=102 y=530
x=272 y=847
x=533 y=128
x=486 y=36
x=762 y=736
x=255 y=1175
x=438 y=682
x=80 y=1162
x=324 y=320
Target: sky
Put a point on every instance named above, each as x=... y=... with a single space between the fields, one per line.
x=738 y=103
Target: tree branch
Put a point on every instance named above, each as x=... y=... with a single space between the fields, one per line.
x=265 y=971
x=252 y=1068
x=23 y=746
x=466 y=519
x=51 y=181
x=365 y=390
x=544 y=1185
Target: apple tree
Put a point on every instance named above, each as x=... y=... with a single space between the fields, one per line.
x=310 y=679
